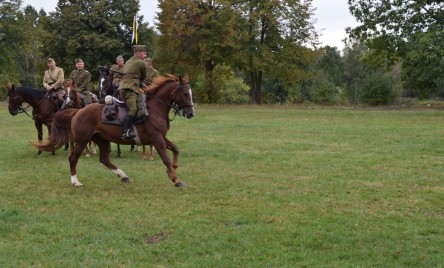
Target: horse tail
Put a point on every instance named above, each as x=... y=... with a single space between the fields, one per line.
x=60 y=131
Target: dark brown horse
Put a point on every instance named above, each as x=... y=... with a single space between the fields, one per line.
x=43 y=107
x=86 y=124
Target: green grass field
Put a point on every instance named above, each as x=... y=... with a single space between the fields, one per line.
x=266 y=187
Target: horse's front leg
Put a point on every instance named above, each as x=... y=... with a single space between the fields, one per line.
x=151 y=156
x=38 y=126
x=119 y=152
x=173 y=148
x=143 y=152
x=87 y=149
x=162 y=151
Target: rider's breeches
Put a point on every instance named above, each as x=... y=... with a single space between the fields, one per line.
x=130 y=99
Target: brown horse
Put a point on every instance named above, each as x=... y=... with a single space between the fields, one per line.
x=75 y=99
x=86 y=124
x=42 y=103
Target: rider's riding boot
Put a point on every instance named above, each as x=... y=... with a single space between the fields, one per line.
x=128 y=132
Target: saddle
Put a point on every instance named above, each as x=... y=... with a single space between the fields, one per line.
x=115 y=110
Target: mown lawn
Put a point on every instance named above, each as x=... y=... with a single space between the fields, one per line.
x=266 y=187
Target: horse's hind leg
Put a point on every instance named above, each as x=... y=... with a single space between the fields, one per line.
x=105 y=149
x=73 y=159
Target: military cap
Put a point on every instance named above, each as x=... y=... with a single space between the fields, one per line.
x=119 y=58
x=79 y=61
x=50 y=60
x=139 y=48
x=149 y=60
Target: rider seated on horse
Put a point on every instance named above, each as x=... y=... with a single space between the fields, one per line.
x=117 y=72
x=53 y=81
x=132 y=81
x=82 y=79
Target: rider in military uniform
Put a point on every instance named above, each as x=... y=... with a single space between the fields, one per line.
x=53 y=79
x=150 y=71
x=82 y=79
x=132 y=81
x=117 y=71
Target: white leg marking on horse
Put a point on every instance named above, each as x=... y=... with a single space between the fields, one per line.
x=75 y=181
x=120 y=173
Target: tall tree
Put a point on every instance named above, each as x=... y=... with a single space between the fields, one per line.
x=330 y=63
x=197 y=35
x=20 y=41
x=275 y=33
x=395 y=28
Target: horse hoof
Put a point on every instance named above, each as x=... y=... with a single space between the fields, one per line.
x=77 y=184
x=179 y=184
x=39 y=153
x=126 y=180
x=87 y=155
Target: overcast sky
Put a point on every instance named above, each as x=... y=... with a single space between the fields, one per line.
x=332 y=17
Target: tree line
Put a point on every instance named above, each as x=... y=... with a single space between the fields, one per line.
x=239 y=51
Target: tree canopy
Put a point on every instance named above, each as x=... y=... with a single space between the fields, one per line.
x=409 y=31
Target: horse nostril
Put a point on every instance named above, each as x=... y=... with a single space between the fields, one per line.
x=190 y=115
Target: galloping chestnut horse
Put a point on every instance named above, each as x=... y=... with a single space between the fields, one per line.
x=106 y=88
x=86 y=124
x=43 y=107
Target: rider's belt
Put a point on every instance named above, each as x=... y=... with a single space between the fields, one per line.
x=131 y=75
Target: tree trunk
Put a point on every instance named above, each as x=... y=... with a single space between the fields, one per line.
x=211 y=94
x=256 y=86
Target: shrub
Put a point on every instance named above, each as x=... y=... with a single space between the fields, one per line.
x=230 y=89
x=323 y=90
x=377 y=89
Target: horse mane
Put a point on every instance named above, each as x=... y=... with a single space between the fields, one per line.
x=158 y=81
x=32 y=92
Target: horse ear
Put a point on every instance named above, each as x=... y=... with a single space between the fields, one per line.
x=183 y=79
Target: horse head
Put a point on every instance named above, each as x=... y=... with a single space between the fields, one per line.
x=183 y=98
x=74 y=99
x=105 y=85
x=15 y=100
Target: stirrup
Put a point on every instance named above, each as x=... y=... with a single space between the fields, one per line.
x=128 y=135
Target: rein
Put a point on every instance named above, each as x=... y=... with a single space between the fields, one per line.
x=24 y=110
